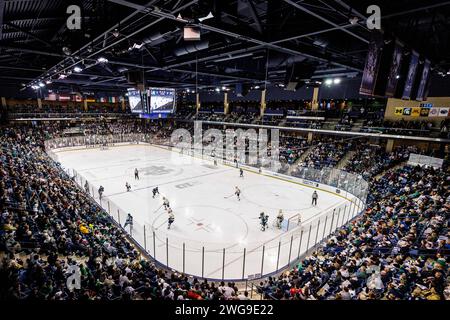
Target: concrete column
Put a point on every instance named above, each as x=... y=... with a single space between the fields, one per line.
x=226 y=105
x=86 y=106
x=3 y=102
x=315 y=99
x=39 y=101
x=197 y=103
x=263 y=102
x=389 y=145
x=310 y=136
x=123 y=103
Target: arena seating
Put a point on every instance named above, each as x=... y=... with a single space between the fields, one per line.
x=398 y=248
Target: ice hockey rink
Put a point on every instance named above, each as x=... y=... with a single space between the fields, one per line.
x=214 y=234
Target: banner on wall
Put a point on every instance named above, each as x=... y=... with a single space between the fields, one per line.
x=393 y=72
x=423 y=80
x=424 y=112
x=398 y=111
x=415 y=112
x=411 y=75
x=421 y=160
x=372 y=65
x=434 y=112
x=407 y=111
x=443 y=112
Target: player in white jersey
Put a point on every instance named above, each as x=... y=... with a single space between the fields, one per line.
x=280 y=219
x=171 y=219
x=237 y=192
x=166 y=203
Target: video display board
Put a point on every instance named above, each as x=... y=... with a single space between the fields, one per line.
x=135 y=100
x=161 y=100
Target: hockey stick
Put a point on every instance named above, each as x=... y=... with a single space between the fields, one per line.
x=158 y=209
x=228 y=196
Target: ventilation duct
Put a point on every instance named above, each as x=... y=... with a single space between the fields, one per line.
x=152 y=38
x=191 y=48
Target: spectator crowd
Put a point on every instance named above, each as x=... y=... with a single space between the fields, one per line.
x=397 y=249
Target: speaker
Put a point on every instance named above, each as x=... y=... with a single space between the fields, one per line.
x=134 y=77
x=297 y=73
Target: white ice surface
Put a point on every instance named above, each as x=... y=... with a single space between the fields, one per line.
x=207 y=214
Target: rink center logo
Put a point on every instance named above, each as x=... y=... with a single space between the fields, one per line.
x=156 y=170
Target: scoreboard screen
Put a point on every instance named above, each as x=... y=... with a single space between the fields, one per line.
x=161 y=100
x=135 y=100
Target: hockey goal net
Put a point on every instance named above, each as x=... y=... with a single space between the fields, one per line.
x=291 y=223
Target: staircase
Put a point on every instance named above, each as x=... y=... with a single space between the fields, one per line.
x=345 y=160
x=400 y=165
x=300 y=160
x=357 y=125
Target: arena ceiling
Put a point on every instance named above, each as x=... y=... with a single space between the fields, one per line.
x=245 y=41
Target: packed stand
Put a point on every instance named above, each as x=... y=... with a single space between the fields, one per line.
x=49 y=226
x=327 y=153
x=371 y=160
x=397 y=249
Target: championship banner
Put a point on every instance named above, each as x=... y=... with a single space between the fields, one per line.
x=398 y=111
x=411 y=75
x=443 y=112
x=415 y=112
x=434 y=112
x=423 y=81
x=393 y=72
x=424 y=112
x=407 y=111
x=372 y=65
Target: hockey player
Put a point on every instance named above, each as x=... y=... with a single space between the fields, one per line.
x=136 y=174
x=100 y=191
x=170 y=220
x=86 y=187
x=237 y=192
x=280 y=219
x=128 y=186
x=166 y=203
x=155 y=191
x=129 y=221
x=263 y=219
x=241 y=173
x=315 y=196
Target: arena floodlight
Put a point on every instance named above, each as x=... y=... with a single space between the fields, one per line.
x=337 y=81
x=329 y=82
x=102 y=60
x=77 y=69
